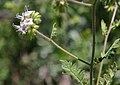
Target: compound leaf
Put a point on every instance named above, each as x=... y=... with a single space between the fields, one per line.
x=73 y=70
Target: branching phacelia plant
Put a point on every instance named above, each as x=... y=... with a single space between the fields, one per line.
x=29 y=24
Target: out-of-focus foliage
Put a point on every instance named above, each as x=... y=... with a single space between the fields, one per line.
x=36 y=62
x=60 y=5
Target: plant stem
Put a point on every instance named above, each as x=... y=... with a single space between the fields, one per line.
x=93 y=46
x=106 y=39
x=54 y=43
x=80 y=3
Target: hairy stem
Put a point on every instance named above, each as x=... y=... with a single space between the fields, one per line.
x=93 y=46
x=54 y=43
x=80 y=3
x=106 y=39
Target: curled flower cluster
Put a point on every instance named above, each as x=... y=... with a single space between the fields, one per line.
x=28 y=22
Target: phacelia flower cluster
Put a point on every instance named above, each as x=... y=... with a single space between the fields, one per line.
x=29 y=21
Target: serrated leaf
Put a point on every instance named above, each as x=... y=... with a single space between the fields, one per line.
x=73 y=70
x=103 y=27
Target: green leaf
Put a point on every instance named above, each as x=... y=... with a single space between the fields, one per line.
x=107 y=78
x=54 y=31
x=103 y=27
x=111 y=51
x=111 y=73
x=109 y=7
x=102 y=54
x=108 y=75
x=109 y=4
x=73 y=70
x=115 y=24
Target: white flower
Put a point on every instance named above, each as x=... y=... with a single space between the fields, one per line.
x=27 y=14
x=22 y=28
x=23 y=25
x=16 y=26
x=28 y=21
x=19 y=17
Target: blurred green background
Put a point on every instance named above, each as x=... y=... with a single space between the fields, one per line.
x=36 y=62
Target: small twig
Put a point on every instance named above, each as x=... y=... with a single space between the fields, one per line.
x=106 y=39
x=80 y=3
x=54 y=43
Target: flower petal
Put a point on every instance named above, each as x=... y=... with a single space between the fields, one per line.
x=28 y=21
x=16 y=26
x=19 y=16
